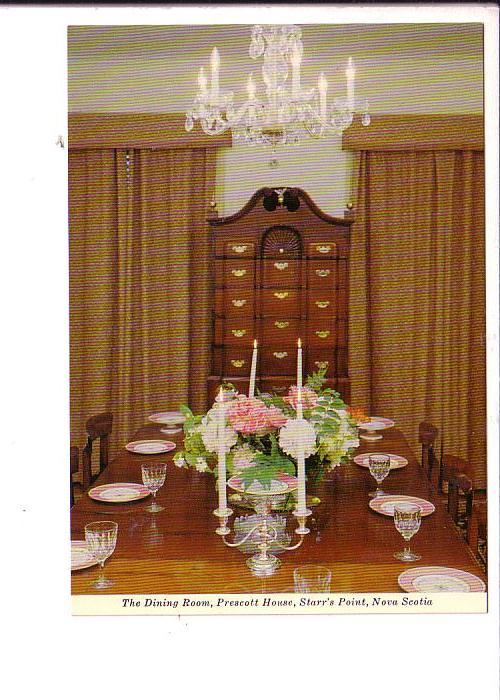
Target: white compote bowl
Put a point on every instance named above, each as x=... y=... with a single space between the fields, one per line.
x=172 y=420
x=372 y=426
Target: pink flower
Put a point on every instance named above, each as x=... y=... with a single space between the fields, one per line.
x=253 y=417
x=309 y=397
x=276 y=417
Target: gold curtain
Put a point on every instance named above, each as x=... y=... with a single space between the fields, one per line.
x=417 y=318
x=139 y=284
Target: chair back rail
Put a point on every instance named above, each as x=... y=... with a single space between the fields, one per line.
x=73 y=469
x=460 y=484
x=427 y=435
x=98 y=427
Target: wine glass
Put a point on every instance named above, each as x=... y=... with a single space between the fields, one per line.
x=312 y=579
x=379 y=465
x=407 y=520
x=100 y=537
x=153 y=477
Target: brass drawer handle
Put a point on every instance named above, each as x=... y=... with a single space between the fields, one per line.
x=239 y=302
x=239 y=248
x=322 y=334
x=323 y=248
x=322 y=273
x=281 y=295
x=281 y=324
x=281 y=266
x=238 y=273
x=322 y=365
x=238 y=332
x=280 y=355
x=238 y=363
x=322 y=304
x=279 y=389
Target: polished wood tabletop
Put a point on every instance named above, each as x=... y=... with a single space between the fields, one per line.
x=177 y=551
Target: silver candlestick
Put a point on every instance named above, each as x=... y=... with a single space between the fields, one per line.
x=263 y=563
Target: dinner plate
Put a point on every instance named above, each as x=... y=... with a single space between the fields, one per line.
x=168 y=418
x=118 y=493
x=150 y=447
x=439 y=579
x=285 y=484
x=385 y=504
x=377 y=423
x=397 y=462
x=81 y=558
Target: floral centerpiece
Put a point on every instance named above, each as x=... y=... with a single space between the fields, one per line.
x=260 y=436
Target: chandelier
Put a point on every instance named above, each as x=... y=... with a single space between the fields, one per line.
x=288 y=111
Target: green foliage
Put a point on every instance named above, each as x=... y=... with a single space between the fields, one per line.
x=316 y=380
x=268 y=466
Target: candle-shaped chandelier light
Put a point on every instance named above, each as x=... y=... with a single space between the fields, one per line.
x=284 y=110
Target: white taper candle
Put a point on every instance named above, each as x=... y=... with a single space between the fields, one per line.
x=322 y=87
x=295 y=60
x=214 y=66
x=253 y=370
x=350 y=73
x=299 y=363
x=301 y=463
x=202 y=81
x=221 y=472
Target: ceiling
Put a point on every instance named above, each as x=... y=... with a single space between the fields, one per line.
x=406 y=41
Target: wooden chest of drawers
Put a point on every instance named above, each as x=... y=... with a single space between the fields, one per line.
x=280 y=275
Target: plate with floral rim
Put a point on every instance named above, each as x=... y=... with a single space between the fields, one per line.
x=385 y=504
x=118 y=493
x=376 y=423
x=439 y=579
x=150 y=447
x=81 y=558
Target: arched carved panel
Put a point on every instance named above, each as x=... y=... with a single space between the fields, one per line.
x=281 y=242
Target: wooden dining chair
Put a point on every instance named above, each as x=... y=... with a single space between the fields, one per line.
x=427 y=436
x=477 y=533
x=73 y=469
x=449 y=465
x=98 y=427
x=460 y=499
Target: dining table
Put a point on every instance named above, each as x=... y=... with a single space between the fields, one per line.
x=176 y=550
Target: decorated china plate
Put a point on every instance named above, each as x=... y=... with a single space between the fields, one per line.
x=118 y=493
x=439 y=579
x=376 y=423
x=397 y=462
x=284 y=485
x=150 y=447
x=81 y=558
x=385 y=504
x=167 y=418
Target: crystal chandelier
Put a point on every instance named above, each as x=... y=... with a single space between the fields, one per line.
x=288 y=110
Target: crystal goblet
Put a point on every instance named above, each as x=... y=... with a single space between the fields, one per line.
x=100 y=537
x=379 y=465
x=312 y=579
x=153 y=477
x=407 y=520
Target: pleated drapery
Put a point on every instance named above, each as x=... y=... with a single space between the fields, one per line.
x=417 y=298
x=139 y=284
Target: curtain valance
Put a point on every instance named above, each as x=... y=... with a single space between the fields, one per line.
x=137 y=130
x=417 y=132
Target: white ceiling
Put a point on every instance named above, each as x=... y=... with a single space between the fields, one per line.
x=404 y=40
